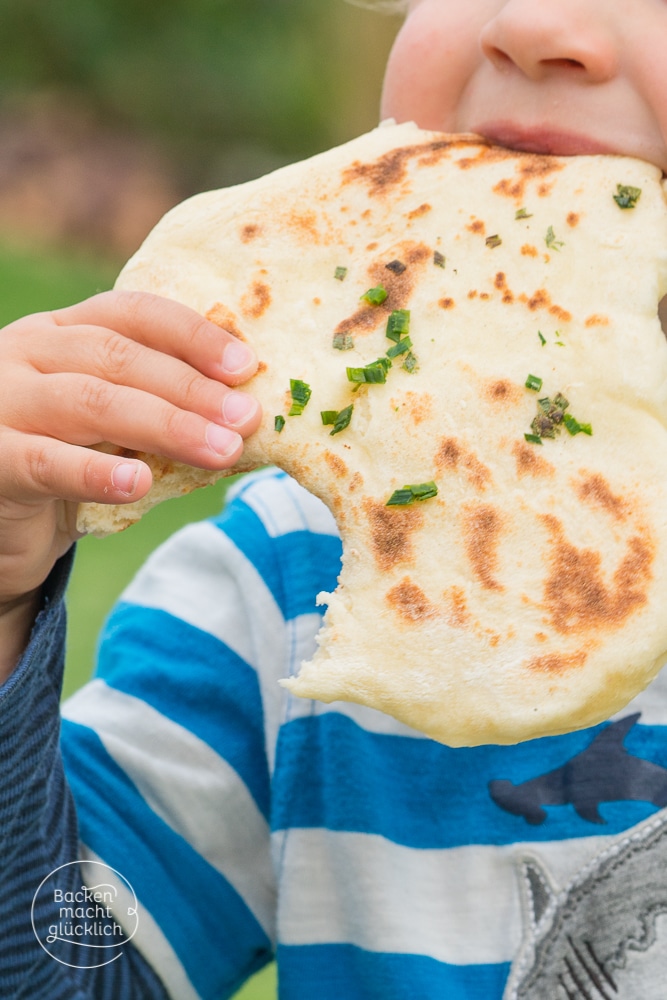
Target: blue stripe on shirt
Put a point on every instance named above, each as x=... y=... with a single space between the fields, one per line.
x=295 y=567
x=193 y=679
x=330 y=972
x=208 y=925
x=421 y=794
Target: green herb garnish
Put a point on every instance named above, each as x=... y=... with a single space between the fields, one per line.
x=493 y=241
x=523 y=213
x=340 y=419
x=398 y=324
x=410 y=363
x=626 y=196
x=375 y=296
x=396 y=266
x=278 y=423
x=533 y=382
x=340 y=273
x=300 y=392
x=343 y=342
x=439 y=259
x=551 y=241
x=574 y=427
x=373 y=374
x=533 y=438
x=543 y=340
x=402 y=347
x=410 y=494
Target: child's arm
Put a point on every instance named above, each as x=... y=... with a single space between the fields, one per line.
x=140 y=371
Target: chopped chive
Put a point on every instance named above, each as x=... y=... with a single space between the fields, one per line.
x=328 y=416
x=374 y=374
x=493 y=241
x=375 y=296
x=410 y=363
x=439 y=259
x=398 y=324
x=533 y=438
x=543 y=340
x=279 y=423
x=551 y=241
x=342 y=419
x=340 y=273
x=396 y=266
x=343 y=342
x=533 y=382
x=410 y=494
x=523 y=213
x=300 y=392
x=574 y=427
x=626 y=196
x=402 y=347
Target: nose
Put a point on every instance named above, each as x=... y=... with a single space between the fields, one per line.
x=543 y=37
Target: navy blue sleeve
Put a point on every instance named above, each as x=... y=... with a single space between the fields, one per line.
x=38 y=834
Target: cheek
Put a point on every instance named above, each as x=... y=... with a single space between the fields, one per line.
x=433 y=59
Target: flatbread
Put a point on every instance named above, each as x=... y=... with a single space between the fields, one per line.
x=527 y=597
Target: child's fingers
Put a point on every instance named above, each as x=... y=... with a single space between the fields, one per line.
x=111 y=357
x=168 y=327
x=47 y=468
x=85 y=410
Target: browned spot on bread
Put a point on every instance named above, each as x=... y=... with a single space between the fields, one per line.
x=575 y=593
x=304 y=224
x=255 y=302
x=529 y=463
x=250 y=232
x=597 y=320
x=420 y=406
x=416 y=213
x=482 y=525
x=356 y=481
x=225 y=318
x=572 y=219
x=446 y=303
x=390 y=169
x=451 y=455
x=336 y=464
x=399 y=287
x=262 y=367
x=528 y=250
x=541 y=636
x=542 y=300
x=502 y=391
x=500 y=282
x=410 y=601
x=556 y=663
x=529 y=167
x=372 y=246
x=391 y=531
x=458 y=615
x=595 y=490
x=476 y=226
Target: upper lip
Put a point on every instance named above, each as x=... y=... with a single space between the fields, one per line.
x=541 y=139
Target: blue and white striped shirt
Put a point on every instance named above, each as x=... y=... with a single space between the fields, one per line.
x=369 y=860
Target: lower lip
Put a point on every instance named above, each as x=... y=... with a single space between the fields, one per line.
x=540 y=140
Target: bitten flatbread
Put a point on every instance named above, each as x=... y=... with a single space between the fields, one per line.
x=516 y=586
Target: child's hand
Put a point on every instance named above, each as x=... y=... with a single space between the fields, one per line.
x=134 y=369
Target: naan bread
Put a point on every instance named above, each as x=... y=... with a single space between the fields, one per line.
x=528 y=596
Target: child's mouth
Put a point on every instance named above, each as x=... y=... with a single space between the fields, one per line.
x=541 y=139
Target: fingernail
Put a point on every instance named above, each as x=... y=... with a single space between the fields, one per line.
x=237 y=407
x=222 y=441
x=236 y=356
x=125 y=476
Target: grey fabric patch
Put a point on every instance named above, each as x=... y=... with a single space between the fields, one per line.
x=580 y=942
